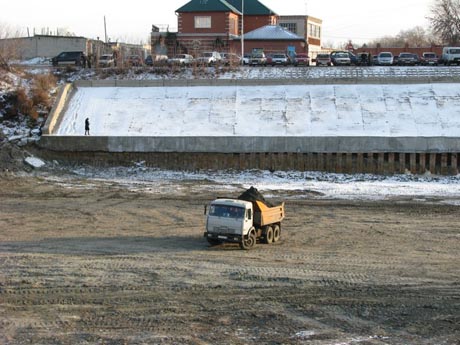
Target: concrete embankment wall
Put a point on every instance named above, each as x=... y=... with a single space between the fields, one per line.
x=382 y=155
x=368 y=155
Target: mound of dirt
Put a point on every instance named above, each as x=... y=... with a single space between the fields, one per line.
x=252 y=194
x=12 y=157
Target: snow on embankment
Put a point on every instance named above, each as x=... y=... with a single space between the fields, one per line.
x=426 y=110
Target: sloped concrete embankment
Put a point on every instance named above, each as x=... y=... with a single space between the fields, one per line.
x=383 y=155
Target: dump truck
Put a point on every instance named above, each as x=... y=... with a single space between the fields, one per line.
x=243 y=221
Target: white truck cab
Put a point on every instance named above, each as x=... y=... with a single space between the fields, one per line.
x=228 y=220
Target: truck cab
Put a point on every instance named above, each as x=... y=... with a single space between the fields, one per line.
x=228 y=220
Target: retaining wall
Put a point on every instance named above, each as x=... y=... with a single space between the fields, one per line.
x=339 y=162
x=381 y=155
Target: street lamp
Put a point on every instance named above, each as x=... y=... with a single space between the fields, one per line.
x=242 y=32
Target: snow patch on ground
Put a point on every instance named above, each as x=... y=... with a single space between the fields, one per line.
x=286 y=185
x=35 y=162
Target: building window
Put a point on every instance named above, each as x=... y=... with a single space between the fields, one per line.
x=233 y=29
x=314 y=31
x=202 y=22
x=292 y=27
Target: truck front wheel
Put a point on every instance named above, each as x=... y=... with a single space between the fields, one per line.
x=248 y=242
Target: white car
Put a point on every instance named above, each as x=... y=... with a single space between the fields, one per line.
x=246 y=59
x=181 y=59
x=209 y=58
x=385 y=58
x=106 y=60
x=231 y=58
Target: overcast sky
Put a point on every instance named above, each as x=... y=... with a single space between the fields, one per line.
x=358 y=20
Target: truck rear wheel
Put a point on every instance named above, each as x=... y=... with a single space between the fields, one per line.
x=268 y=235
x=276 y=233
x=248 y=242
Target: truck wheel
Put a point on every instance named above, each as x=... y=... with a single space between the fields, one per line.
x=276 y=233
x=213 y=241
x=268 y=235
x=249 y=242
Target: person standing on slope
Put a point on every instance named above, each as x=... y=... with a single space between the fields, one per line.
x=87 y=126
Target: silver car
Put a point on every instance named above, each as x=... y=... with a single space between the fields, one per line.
x=385 y=59
x=209 y=58
x=181 y=59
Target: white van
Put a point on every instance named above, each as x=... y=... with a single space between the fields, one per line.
x=450 y=55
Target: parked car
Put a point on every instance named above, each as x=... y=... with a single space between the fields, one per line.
x=323 y=60
x=429 y=58
x=76 y=58
x=246 y=59
x=134 y=60
x=106 y=60
x=385 y=59
x=407 y=59
x=148 y=60
x=280 y=59
x=364 y=59
x=231 y=59
x=181 y=59
x=340 y=59
x=209 y=58
x=353 y=59
x=258 y=59
x=375 y=59
x=302 y=59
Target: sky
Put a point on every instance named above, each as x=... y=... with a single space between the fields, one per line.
x=357 y=20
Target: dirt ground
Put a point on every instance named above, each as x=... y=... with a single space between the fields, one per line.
x=100 y=264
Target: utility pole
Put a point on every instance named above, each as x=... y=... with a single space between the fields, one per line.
x=105 y=30
x=242 y=32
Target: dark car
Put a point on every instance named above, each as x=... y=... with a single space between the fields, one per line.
x=149 y=60
x=407 y=59
x=76 y=58
x=134 y=60
x=302 y=59
x=353 y=59
x=429 y=58
x=364 y=59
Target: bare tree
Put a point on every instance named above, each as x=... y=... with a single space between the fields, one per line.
x=8 y=45
x=445 y=20
x=415 y=37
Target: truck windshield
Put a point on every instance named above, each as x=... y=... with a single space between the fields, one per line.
x=226 y=211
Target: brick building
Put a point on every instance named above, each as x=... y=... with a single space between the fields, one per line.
x=307 y=27
x=205 y=25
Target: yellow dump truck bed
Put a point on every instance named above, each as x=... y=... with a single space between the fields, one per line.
x=264 y=215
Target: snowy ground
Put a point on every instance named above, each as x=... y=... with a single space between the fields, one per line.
x=412 y=110
x=285 y=185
